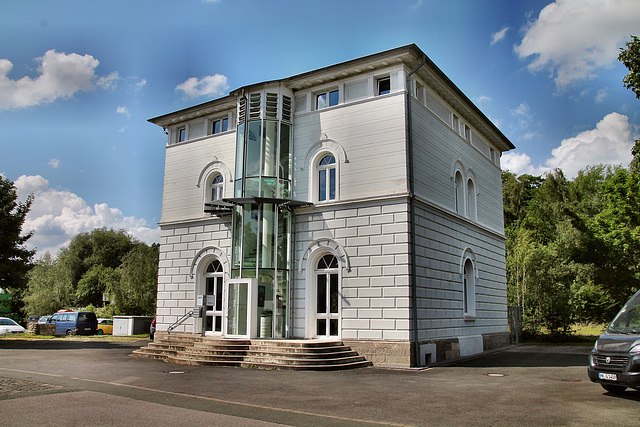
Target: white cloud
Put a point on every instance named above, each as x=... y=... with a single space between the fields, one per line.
x=483 y=99
x=609 y=143
x=499 y=35
x=57 y=216
x=142 y=83
x=601 y=95
x=211 y=85
x=520 y=163
x=109 y=82
x=574 y=38
x=124 y=111
x=61 y=76
x=54 y=163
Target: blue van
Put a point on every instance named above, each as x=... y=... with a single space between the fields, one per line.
x=75 y=323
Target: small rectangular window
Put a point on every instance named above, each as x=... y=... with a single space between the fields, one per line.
x=456 y=124
x=420 y=92
x=467 y=133
x=384 y=86
x=321 y=101
x=182 y=134
x=334 y=97
x=220 y=126
x=327 y=99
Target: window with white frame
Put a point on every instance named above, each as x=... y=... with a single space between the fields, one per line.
x=216 y=188
x=327 y=99
x=420 y=92
x=459 y=193
x=456 y=123
x=471 y=200
x=469 y=289
x=219 y=125
x=181 y=134
x=383 y=85
x=327 y=297
x=213 y=298
x=327 y=178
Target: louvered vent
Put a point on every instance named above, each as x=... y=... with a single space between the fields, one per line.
x=242 y=110
x=272 y=106
x=286 y=108
x=254 y=106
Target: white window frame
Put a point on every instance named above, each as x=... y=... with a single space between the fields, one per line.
x=178 y=131
x=469 y=282
x=327 y=93
x=314 y=171
x=213 y=121
x=216 y=189
x=379 y=80
x=311 y=306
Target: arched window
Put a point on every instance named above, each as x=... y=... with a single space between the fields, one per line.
x=327 y=178
x=327 y=300
x=471 y=200
x=469 y=290
x=459 y=193
x=213 y=278
x=217 y=188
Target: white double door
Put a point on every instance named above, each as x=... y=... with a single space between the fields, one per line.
x=230 y=308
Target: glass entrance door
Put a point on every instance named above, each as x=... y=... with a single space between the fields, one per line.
x=213 y=278
x=241 y=307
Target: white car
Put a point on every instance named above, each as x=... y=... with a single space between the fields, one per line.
x=8 y=326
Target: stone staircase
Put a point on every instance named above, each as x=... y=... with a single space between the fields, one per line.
x=189 y=349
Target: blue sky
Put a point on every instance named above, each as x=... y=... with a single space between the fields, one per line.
x=79 y=79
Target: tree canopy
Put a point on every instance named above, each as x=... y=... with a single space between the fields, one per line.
x=15 y=258
x=97 y=268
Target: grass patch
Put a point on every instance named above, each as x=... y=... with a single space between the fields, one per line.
x=108 y=338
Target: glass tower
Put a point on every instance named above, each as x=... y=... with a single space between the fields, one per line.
x=261 y=230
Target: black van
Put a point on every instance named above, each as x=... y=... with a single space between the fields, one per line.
x=615 y=359
x=75 y=323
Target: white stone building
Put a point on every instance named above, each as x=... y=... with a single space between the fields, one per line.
x=360 y=202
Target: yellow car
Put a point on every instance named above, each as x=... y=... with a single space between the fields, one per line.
x=105 y=327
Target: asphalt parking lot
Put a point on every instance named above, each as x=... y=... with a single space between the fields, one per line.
x=96 y=383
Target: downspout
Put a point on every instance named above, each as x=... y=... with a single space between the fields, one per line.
x=412 y=217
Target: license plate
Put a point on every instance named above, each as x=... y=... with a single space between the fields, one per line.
x=608 y=377
x=87 y=329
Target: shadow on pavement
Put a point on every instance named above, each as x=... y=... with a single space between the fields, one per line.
x=531 y=357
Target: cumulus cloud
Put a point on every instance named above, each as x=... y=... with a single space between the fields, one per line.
x=123 y=110
x=210 y=85
x=499 y=35
x=61 y=76
x=54 y=163
x=609 y=143
x=574 y=38
x=520 y=163
x=57 y=216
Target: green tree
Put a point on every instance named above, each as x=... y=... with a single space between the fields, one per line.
x=93 y=254
x=15 y=259
x=50 y=287
x=618 y=228
x=94 y=284
x=135 y=293
x=630 y=57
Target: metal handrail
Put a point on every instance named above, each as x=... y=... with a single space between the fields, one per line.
x=179 y=321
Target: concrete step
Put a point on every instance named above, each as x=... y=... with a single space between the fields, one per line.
x=261 y=353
